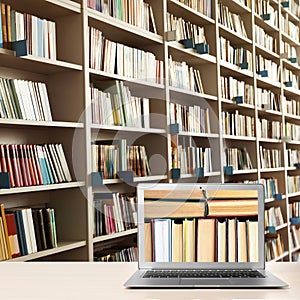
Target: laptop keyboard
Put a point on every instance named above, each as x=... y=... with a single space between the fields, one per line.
x=203 y=274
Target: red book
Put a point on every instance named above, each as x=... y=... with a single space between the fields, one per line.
x=23 y=171
x=3 y=160
x=27 y=167
x=28 y=159
x=16 y=164
x=12 y=235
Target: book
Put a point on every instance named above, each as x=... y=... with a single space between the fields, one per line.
x=148 y=242
x=221 y=241
x=242 y=243
x=5 y=231
x=162 y=238
x=189 y=232
x=206 y=240
x=12 y=235
x=177 y=241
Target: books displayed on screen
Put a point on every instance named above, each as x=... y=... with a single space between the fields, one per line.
x=232 y=87
x=204 y=7
x=294 y=209
x=115 y=106
x=23 y=99
x=269 y=129
x=274 y=247
x=238 y=56
x=271 y=186
x=201 y=240
x=273 y=217
x=237 y=124
x=291 y=29
x=25 y=231
x=114 y=212
x=134 y=12
x=190 y=158
x=119 y=255
x=239 y=159
x=112 y=156
x=292 y=131
x=292 y=107
x=184 y=76
x=265 y=40
x=40 y=34
x=264 y=8
x=30 y=165
x=120 y=59
x=290 y=79
x=231 y=20
x=293 y=184
x=267 y=68
x=191 y=118
x=268 y=100
x=270 y=158
x=185 y=30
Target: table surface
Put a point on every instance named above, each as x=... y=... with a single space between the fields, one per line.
x=104 y=281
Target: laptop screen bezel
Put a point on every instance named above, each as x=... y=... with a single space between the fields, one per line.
x=200 y=265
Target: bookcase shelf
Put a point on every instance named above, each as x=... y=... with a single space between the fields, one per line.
x=70 y=77
x=61 y=247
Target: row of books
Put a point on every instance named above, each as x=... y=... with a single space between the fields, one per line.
x=237 y=124
x=231 y=20
x=290 y=78
x=274 y=247
x=116 y=106
x=25 y=231
x=273 y=217
x=269 y=129
x=123 y=255
x=289 y=27
x=201 y=240
x=266 y=99
x=117 y=58
x=204 y=7
x=294 y=7
x=185 y=29
x=294 y=209
x=239 y=159
x=232 y=87
x=295 y=234
x=238 y=56
x=264 y=65
x=293 y=184
x=134 y=12
x=23 y=99
x=110 y=157
x=265 y=40
x=264 y=7
x=30 y=165
x=292 y=107
x=288 y=49
x=293 y=157
x=270 y=158
x=190 y=118
x=40 y=34
x=114 y=212
x=189 y=158
x=183 y=76
x=292 y=131
x=271 y=186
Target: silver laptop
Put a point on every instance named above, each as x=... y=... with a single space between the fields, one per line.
x=201 y=235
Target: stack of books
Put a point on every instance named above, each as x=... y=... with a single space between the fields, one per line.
x=265 y=40
x=40 y=34
x=271 y=187
x=273 y=217
x=190 y=118
x=269 y=129
x=23 y=99
x=268 y=100
x=270 y=158
x=292 y=107
x=25 y=231
x=239 y=159
x=117 y=58
x=292 y=131
x=114 y=212
x=293 y=184
x=290 y=79
x=293 y=157
x=115 y=106
x=274 y=247
x=294 y=209
x=288 y=49
x=264 y=8
x=123 y=255
x=134 y=12
x=289 y=27
x=30 y=165
x=267 y=68
x=204 y=7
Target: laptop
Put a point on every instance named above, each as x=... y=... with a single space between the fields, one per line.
x=195 y=235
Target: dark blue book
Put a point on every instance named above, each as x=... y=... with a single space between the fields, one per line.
x=21 y=232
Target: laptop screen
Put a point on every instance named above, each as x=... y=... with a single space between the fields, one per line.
x=204 y=224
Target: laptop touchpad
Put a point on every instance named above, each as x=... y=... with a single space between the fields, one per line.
x=210 y=281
